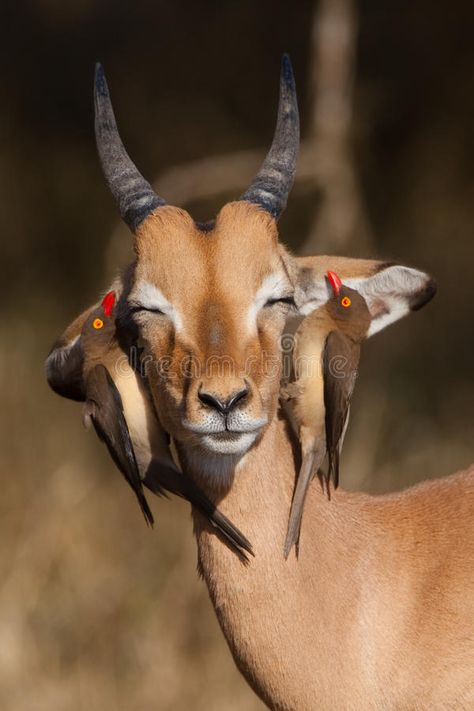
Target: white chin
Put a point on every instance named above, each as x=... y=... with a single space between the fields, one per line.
x=229 y=442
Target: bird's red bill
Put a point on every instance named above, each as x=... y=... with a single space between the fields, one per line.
x=108 y=303
x=336 y=283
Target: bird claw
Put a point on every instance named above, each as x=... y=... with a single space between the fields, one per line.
x=290 y=391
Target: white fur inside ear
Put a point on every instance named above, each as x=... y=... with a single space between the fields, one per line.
x=390 y=294
x=58 y=357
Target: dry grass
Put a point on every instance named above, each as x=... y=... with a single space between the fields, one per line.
x=96 y=610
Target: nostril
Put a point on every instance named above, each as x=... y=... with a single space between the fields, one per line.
x=223 y=406
x=235 y=399
x=211 y=401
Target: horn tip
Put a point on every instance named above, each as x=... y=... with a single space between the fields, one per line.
x=100 y=82
x=287 y=70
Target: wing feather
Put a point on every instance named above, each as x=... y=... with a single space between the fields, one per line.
x=340 y=360
x=104 y=408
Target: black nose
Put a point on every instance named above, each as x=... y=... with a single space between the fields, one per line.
x=223 y=406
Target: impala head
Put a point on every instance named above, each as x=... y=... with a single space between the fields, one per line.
x=209 y=302
x=210 y=308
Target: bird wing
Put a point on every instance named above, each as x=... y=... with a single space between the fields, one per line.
x=104 y=409
x=166 y=477
x=158 y=471
x=340 y=360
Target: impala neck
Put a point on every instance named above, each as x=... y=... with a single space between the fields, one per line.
x=255 y=491
x=270 y=606
x=256 y=494
x=345 y=623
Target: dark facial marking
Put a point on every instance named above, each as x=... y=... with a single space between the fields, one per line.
x=206 y=226
x=383 y=265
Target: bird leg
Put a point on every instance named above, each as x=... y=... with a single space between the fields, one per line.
x=290 y=391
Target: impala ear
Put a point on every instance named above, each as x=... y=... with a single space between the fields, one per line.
x=390 y=290
x=65 y=361
x=64 y=365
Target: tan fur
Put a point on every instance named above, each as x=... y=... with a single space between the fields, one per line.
x=378 y=610
x=346 y=626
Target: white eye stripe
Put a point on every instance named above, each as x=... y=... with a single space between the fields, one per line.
x=151 y=297
x=275 y=286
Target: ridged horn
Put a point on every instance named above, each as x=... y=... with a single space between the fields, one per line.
x=272 y=184
x=135 y=197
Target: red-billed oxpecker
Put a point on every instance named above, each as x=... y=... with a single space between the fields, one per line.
x=326 y=358
x=104 y=405
x=92 y=367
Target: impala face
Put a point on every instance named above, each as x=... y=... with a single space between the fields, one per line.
x=209 y=304
x=210 y=307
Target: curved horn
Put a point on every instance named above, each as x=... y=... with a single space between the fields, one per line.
x=135 y=196
x=272 y=184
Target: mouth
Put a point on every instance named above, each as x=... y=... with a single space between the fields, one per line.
x=219 y=440
x=228 y=442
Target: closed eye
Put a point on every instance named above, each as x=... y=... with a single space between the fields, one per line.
x=138 y=308
x=282 y=300
x=147 y=298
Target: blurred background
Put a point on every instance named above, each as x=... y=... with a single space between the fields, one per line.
x=96 y=611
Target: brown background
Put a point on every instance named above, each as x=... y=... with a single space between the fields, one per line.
x=96 y=611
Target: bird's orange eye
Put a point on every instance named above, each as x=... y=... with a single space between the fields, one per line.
x=346 y=302
x=97 y=323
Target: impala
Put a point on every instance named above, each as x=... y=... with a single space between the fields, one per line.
x=377 y=609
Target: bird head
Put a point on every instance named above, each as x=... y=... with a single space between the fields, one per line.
x=348 y=309
x=99 y=328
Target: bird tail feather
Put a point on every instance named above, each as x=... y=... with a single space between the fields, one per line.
x=333 y=470
x=179 y=484
x=311 y=463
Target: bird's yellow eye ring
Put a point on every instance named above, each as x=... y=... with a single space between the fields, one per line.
x=97 y=323
x=346 y=302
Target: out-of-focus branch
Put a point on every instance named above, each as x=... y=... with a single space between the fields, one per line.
x=340 y=216
x=208 y=178
x=325 y=162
